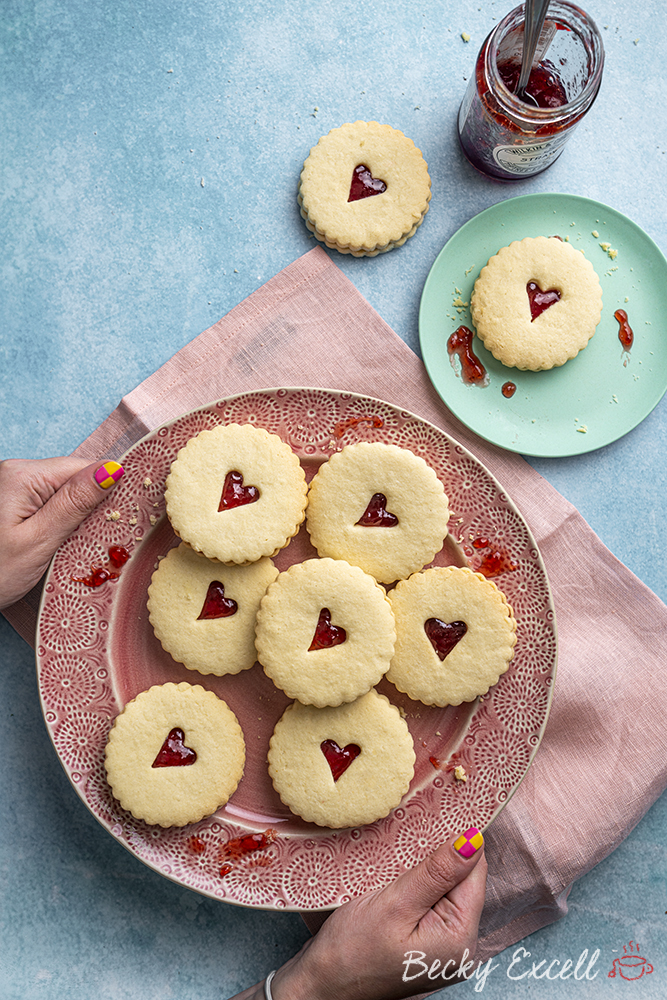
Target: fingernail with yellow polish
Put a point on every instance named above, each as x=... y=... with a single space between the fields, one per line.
x=469 y=842
x=108 y=474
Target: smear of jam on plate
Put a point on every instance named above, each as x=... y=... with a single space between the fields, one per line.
x=345 y=425
x=625 y=334
x=118 y=556
x=473 y=371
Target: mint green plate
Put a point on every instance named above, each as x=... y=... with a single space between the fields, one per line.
x=593 y=399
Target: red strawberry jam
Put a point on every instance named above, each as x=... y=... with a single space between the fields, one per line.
x=539 y=300
x=326 y=634
x=625 y=334
x=235 y=494
x=118 y=555
x=473 y=371
x=238 y=847
x=216 y=605
x=443 y=636
x=364 y=185
x=376 y=514
x=339 y=758
x=173 y=752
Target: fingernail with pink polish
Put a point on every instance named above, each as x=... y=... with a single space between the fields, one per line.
x=108 y=474
x=469 y=842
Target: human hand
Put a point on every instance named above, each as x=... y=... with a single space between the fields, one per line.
x=42 y=501
x=412 y=937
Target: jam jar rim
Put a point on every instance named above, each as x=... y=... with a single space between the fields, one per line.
x=525 y=114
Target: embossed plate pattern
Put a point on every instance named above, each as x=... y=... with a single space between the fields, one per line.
x=96 y=650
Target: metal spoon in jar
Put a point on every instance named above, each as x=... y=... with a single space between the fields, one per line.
x=536 y=11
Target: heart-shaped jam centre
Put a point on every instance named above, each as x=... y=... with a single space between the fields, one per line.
x=364 y=185
x=216 y=605
x=376 y=514
x=539 y=300
x=339 y=759
x=174 y=752
x=235 y=494
x=326 y=634
x=443 y=636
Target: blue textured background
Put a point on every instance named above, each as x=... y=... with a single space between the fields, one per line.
x=114 y=255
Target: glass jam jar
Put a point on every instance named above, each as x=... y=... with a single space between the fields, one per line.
x=510 y=139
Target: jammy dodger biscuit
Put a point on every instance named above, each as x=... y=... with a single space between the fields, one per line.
x=364 y=189
x=203 y=612
x=379 y=507
x=175 y=754
x=236 y=493
x=344 y=766
x=536 y=303
x=455 y=635
x=325 y=632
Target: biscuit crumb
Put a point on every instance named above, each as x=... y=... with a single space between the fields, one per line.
x=112 y=515
x=595 y=233
x=460 y=774
x=153 y=518
x=583 y=429
x=466 y=37
x=132 y=521
x=147 y=482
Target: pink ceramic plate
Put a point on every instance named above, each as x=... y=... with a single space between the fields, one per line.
x=96 y=650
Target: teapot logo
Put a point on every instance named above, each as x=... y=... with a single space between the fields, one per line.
x=631 y=965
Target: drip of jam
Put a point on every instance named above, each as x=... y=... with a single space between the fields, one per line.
x=345 y=425
x=364 y=185
x=544 y=85
x=225 y=870
x=216 y=605
x=473 y=371
x=539 y=300
x=98 y=576
x=435 y=762
x=235 y=494
x=625 y=334
x=196 y=845
x=443 y=636
x=494 y=563
x=327 y=635
x=508 y=390
x=339 y=758
x=118 y=555
x=238 y=847
x=481 y=543
x=173 y=752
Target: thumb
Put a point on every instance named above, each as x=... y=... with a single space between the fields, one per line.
x=416 y=891
x=75 y=499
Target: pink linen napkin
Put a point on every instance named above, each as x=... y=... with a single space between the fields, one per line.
x=603 y=759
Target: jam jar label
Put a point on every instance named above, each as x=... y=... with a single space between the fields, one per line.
x=530 y=156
